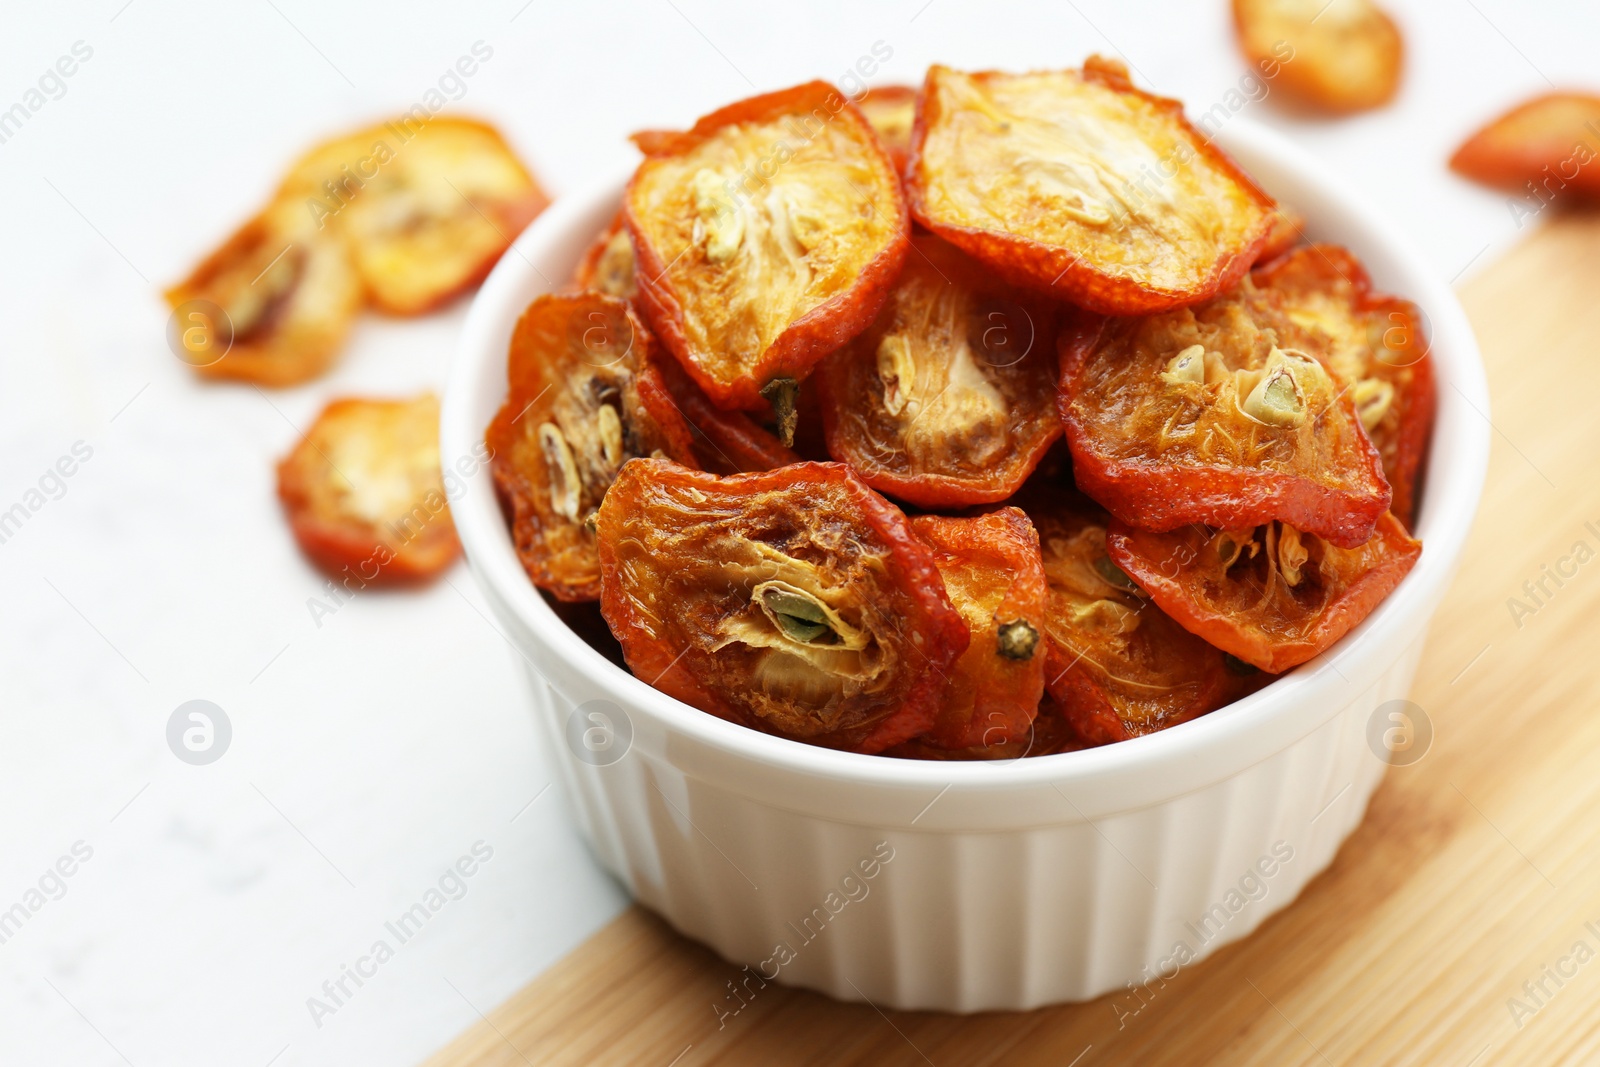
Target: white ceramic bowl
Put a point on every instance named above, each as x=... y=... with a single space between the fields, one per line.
x=974 y=886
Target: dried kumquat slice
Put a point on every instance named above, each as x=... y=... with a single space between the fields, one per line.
x=1540 y=147
x=365 y=495
x=766 y=237
x=1332 y=55
x=795 y=601
x=1271 y=596
x=1377 y=349
x=585 y=397
x=994 y=576
x=427 y=206
x=949 y=397
x=1078 y=184
x=1227 y=414
x=272 y=305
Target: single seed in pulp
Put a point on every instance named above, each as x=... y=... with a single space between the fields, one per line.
x=784 y=396
x=609 y=426
x=1187 y=367
x=564 y=482
x=1017 y=640
x=797 y=616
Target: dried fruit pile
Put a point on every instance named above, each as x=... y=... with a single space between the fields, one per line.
x=999 y=418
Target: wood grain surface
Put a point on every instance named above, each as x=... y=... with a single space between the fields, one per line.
x=1454 y=925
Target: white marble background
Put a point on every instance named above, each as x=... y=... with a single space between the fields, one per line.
x=372 y=752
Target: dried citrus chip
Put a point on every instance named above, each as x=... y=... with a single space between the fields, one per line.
x=766 y=236
x=272 y=305
x=1271 y=596
x=892 y=111
x=428 y=207
x=992 y=573
x=585 y=396
x=795 y=601
x=1118 y=666
x=1227 y=413
x=948 y=398
x=1288 y=225
x=1548 y=143
x=364 y=492
x=1079 y=184
x=608 y=265
x=1336 y=55
x=1377 y=350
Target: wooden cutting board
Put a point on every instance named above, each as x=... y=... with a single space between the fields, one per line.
x=1473 y=873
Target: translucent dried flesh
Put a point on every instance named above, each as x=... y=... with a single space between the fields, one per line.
x=1270 y=595
x=1376 y=348
x=1118 y=666
x=364 y=492
x=288 y=293
x=1551 y=141
x=1266 y=432
x=948 y=398
x=428 y=207
x=584 y=398
x=1332 y=55
x=698 y=571
x=994 y=576
x=1081 y=185
x=766 y=237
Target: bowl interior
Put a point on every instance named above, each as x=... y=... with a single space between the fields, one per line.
x=542 y=260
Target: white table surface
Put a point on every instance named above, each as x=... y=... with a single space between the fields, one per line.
x=371 y=752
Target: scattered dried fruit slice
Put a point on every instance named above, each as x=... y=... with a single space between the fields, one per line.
x=1118 y=666
x=1548 y=143
x=287 y=294
x=948 y=398
x=725 y=442
x=1288 y=225
x=993 y=575
x=795 y=601
x=584 y=398
x=767 y=236
x=1333 y=55
x=428 y=207
x=1226 y=414
x=892 y=111
x=1377 y=349
x=364 y=492
x=608 y=265
x=1271 y=596
x=1079 y=184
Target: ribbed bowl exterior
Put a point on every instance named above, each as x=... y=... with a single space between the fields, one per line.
x=972 y=886
x=976 y=920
